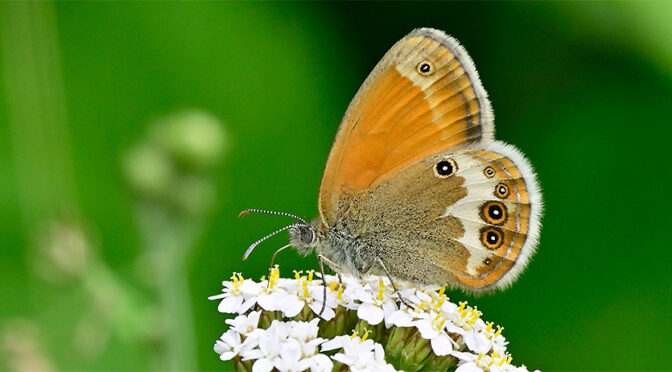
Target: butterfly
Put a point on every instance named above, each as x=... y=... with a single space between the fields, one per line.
x=416 y=187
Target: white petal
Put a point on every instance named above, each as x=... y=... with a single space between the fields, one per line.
x=221 y=347
x=389 y=307
x=327 y=314
x=333 y=344
x=252 y=354
x=227 y=355
x=340 y=357
x=302 y=365
x=452 y=328
x=371 y=313
x=250 y=287
x=262 y=365
x=321 y=363
x=461 y=355
x=477 y=342
x=400 y=318
x=270 y=302
x=495 y=368
x=441 y=345
x=291 y=351
x=468 y=367
x=291 y=306
x=379 y=352
x=218 y=296
x=247 y=305
x=230 y=304
x=231 y=338
x=427 y=331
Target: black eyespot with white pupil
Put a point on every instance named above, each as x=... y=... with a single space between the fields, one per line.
x=425 y=68
x=501 y=191
x=492 y=237
x=494 y=212
x=489 y=172
x=445 y=168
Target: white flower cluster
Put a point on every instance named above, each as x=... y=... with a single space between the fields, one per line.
x=287 y=346
x=453 y=335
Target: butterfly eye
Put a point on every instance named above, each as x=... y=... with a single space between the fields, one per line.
x=425 y=68
x=307 y=236
x=502 y=191
x=492 y=237
x=493 y=212
x=445 y=168
x=489 y=172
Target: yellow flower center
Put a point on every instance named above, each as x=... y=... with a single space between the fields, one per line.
x=236 y=281
x=274 y=277
x=304 y=284
x=381 y=286
x=340 y=291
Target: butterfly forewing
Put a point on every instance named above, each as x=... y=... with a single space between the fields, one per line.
x=422 y=98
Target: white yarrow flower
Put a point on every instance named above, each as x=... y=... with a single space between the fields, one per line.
x=359 y=354
x=291 y=325
x=376 y=300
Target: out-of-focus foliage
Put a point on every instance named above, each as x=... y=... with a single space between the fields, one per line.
x=117 y=220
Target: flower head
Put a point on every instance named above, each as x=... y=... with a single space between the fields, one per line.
x=299 y=324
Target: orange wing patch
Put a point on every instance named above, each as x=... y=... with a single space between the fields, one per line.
x=423 y=97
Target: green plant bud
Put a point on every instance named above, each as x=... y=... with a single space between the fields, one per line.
x=195 y=139
x=148 y=171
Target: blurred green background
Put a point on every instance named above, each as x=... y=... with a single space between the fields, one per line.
x=132 y=134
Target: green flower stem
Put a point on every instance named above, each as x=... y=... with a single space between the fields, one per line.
x=343 y=322
x=440 y=363
x=396 y=340
x=415 y=351
x=377 y=333
x=242 y=366
x=267 y=317
x=168 y=239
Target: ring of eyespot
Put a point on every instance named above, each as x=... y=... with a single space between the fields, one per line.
x=489 y=172
x=425 y=68
x=492 y=237
x=445 y=168
x=494 y=212
x=502 y=191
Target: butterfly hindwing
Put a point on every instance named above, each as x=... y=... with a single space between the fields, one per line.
x=500 y=215
x=476 y=227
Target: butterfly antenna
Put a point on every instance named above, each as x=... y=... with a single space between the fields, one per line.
x=251 y=247
x=246 y=211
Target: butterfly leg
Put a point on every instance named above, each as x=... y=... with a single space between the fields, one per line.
x=380 y=262
x=322 y=259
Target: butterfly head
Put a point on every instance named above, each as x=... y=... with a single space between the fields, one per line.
x=304 y=238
